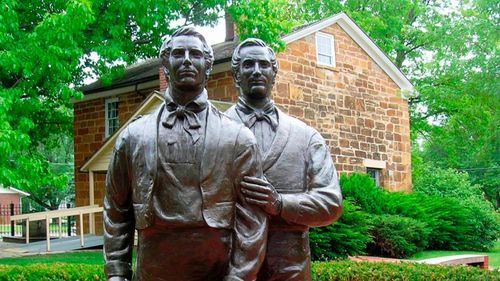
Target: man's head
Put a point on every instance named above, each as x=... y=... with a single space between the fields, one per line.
x=187 y=58
x=254 y=68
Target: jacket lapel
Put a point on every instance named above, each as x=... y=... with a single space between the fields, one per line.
x=212 y=136
x=279 y=141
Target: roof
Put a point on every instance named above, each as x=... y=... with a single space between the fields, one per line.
x=12 y=190
x=148 y=70
x=99 y=160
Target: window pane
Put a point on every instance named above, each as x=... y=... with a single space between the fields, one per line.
x=324 y=59
x=324 y=45
x=111 y=117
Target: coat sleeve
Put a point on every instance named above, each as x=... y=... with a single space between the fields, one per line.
x=251 y=223
x=321 y=203
x=118 y=214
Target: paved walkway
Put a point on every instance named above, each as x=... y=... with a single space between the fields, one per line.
x=56 y=245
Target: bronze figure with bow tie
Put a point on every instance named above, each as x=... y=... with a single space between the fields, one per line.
x=300 y=187
x=175 y=177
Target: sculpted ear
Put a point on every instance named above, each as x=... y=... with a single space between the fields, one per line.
x=237 y=80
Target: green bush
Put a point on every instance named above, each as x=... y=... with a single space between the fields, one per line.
x=453 y=223
x=52 y=272
x=365 y=271
x=321 y=271
x=447 y=220
x=363 y=192
x=347 y=237
x=448 y=183
x=397 y=237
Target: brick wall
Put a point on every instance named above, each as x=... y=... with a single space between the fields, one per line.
x=89 y=136
x=5 y=200
x=355 y=106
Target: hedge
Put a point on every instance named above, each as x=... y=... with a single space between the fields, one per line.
x=378 y=271
x=322 y=271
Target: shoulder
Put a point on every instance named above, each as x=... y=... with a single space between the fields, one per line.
x=297 y=126
x=233 y=129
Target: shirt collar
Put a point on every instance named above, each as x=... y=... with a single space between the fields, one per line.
x=200 y=102
x=268 y=108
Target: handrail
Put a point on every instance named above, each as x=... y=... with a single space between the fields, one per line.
x=47 y=215
x=57 y=213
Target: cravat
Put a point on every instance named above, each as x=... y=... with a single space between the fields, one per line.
x=185 y=114
x=253 y=115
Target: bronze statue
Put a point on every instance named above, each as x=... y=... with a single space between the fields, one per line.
x=175 y=177
x=300 y=187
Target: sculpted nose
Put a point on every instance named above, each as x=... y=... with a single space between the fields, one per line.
x=187 y=59
x=256 y=70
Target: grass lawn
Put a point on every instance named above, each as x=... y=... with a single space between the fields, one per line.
x=493 y=260
x=86 y=257
x=95 y=257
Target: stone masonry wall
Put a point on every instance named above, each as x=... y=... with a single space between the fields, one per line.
x=88 y=137
x=355 y=106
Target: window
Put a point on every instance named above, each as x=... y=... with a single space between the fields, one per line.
x=325 y=51
x=111 y=111
x=374 y=173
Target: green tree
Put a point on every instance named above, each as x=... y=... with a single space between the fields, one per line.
x=449 y=49
x=47 y=50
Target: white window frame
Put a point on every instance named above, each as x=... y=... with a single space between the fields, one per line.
x=106 y=116
x=377 y=174
x=332 y=43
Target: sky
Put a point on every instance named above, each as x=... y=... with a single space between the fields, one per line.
x=214 y=35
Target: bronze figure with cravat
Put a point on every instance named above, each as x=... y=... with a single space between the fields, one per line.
x=175 y=176
x=300 y=187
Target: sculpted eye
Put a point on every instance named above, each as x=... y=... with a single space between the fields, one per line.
x=196 y=54
x=265 y=64
x=177 y=53
x=247 y=64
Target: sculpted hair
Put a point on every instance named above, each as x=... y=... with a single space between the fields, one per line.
x=236 y=59
x=166 y=47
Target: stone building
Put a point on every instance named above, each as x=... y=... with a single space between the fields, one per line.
x=331 y=76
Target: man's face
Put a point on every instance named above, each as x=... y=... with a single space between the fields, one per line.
x=256 y=72
x=186 y=63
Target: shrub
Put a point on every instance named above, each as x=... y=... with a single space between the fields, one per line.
x=347 y=237
x=397 y=237
x=452 y=223
x=321 y=271
x=363 y=192
x=52 y=272
x=365 y=271
x=447 y=183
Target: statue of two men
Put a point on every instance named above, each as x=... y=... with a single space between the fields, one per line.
x=193 y=182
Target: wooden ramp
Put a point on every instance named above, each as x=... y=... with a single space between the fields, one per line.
x=57 y=245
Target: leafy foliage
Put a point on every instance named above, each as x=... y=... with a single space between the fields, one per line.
x=321 y=271
x=449 y=49
x=397 y=236
x=347 y=237
x=47 y=50
x=365 y=271
x=453 y=224
x=264 y=19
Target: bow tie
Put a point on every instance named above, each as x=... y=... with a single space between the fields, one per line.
x=185 y=114
x=254 y=115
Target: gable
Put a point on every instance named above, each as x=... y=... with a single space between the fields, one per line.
x=363 y=41
x=99 y=161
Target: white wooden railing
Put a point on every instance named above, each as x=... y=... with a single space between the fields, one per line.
x=48 y=215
